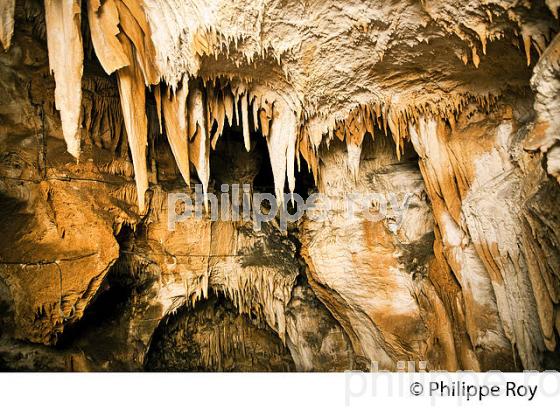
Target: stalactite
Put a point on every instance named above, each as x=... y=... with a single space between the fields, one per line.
x=7 y=8
x=211 y=108
x=316 y=129
x=255 y=111
x=393 y=127
x=228 y=106
x=133 y=102
x=220 y=116
x=464 y=228
x=353 y=151
x=174 y=112
x=218 y=101
x=237 y=110
x=104 y=27
x=135 y=25
x=308 y=153
x=198 y=135
x=245 y=121
x=281 y=147
x=291 y=156
x=64 y=40
x=527 y=45
x=157 y=97
x=264 y=120
x=475 y=57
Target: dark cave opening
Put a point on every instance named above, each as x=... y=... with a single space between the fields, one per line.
x=214 y=336
x=110 y=302
x=231 y=163
x=107 y=307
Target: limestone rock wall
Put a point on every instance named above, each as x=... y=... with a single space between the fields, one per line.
x=483 y=187
x=372 y=271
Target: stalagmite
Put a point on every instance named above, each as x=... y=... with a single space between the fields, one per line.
x=66 y=57
x=199 y=147
x=133 y=102
x=7 y=8
x=104 y=27
x=174 y=112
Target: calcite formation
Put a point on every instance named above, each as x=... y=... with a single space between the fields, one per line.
x=439 y=117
